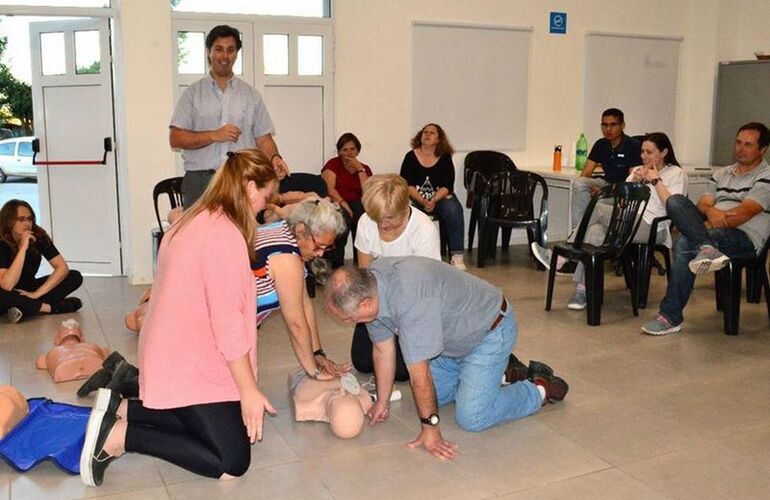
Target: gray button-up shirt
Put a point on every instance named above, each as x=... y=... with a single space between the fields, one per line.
x=435 y=309
x=205 y=106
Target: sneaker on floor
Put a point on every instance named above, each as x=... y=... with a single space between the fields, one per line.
x=14 y=314
x=457 y=262
x=516 y=371
x=66 y=306
x=577 y=302
x=660 y=326
x=709 y=259
x=556 y=388
x=93 y=459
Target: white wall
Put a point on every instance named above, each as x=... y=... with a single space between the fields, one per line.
x=373 y=79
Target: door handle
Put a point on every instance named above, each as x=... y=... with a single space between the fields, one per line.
x=36 y=149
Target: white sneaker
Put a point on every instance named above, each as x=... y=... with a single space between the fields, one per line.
x=457 y=261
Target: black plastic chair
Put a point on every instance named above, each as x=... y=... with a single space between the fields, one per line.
x=630 y=200
x=508 y=202
x=727 y=282
x=171 y=187
x=479 y=167
x=642 y=258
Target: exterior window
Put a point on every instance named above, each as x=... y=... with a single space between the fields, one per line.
x=52 y=50
x=310 y=59
x=301 y=8
x=88 y=54
x=276 y=54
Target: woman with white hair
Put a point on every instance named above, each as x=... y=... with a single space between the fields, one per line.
x=282 y=248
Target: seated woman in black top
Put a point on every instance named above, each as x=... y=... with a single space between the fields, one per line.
x=430 y=173
x=22 y=246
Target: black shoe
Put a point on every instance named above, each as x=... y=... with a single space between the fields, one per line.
x=68 y=305
x=93 y=459
x=538 y=369
x=14 y=314
x=556 y=388
x=113 y=360
x=516 y=371
x=99 y=379
x=125 y=380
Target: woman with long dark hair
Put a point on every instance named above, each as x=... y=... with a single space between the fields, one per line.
x=23 y=244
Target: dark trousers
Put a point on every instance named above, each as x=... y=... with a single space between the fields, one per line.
x=194 y=183
x=337 y=256
x=685 y=215
x=361 y=354
x=207 y=439
x=30 y=307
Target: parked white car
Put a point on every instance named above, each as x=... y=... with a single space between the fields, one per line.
x=16 y=158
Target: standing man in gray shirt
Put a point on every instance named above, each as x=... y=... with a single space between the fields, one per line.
x=456 y=333
x=217 y=114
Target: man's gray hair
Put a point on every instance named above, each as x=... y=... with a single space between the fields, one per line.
x=348 y=287
x=319 y=216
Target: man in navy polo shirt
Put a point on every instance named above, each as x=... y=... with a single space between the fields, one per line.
x=615 y=152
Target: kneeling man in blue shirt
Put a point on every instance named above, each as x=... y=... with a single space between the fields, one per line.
x=456 y=333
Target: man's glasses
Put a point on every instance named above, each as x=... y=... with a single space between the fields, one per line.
x=321 y=246
x=610 y=125
x=31 y=218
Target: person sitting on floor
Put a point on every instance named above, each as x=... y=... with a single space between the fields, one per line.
x=661 y=171
x=389 y=228
x=730 y=220
x=23 y=244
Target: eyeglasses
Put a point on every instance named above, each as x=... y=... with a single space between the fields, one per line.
x=31 y=218
x=610 y=125
x=321 y=246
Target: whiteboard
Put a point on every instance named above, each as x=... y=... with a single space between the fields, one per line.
x=472 y=80
x=636 y=73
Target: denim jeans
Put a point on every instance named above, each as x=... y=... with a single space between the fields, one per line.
x=581 y=196
x=473 y=382
x=451 y=212
x=730 y=241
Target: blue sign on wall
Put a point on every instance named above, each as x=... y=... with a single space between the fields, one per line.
x=559 y=23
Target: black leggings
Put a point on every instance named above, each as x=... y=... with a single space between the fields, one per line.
x=361 y=354
x=30 y=307
x=208 y=439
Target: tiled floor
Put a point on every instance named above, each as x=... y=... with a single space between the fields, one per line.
x=685 y=416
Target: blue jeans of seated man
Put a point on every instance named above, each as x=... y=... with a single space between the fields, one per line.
x=685 y=215
x=451 y=212
x=473 y=382
x=581 y=196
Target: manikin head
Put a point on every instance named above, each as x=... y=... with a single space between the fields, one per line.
x=68 y=333
x=345 y=416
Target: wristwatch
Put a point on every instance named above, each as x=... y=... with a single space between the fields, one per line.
x=655 y=181
x=319 y=352
x=431 y=420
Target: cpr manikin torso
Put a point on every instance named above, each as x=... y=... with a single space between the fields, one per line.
x=135 y=319
x=328 y=401
x=71 y=358
x=13 y=408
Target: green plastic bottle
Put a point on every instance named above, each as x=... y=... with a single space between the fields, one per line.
x=581 y=152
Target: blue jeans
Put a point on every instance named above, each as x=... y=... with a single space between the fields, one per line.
x=473 y=382
x=730 y=241
x=451 y=212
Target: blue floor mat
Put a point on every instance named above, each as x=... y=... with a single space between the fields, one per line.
x=51 y=431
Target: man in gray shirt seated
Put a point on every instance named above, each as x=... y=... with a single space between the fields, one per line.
x=456 y=333
x=732 y=219
x=217 y=114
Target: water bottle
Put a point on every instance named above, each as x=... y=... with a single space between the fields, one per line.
x=557 y=158
x=581 y=152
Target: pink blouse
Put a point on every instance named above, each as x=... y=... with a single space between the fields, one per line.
x=201 y=315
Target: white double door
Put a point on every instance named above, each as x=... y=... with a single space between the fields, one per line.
x=73 y=114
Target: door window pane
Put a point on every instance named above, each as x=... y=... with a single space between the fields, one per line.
x=52 y=53
x=276 y=53
x=88 y=53
x=58 y=3
x=304 y=8
x=191 y=53
x=310 y=55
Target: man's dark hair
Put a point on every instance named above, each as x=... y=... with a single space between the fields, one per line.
x=223 y=31
x=764 y=133
x=616 y=113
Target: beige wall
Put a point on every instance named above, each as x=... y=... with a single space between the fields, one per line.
x=373 y=78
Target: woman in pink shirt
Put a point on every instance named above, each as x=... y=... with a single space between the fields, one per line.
x=199 y=404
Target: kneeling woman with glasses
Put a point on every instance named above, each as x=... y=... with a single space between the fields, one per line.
x=282 y=248
x=23 y=244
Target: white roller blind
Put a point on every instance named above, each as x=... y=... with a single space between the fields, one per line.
x=472 y=80
x=635 y=73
